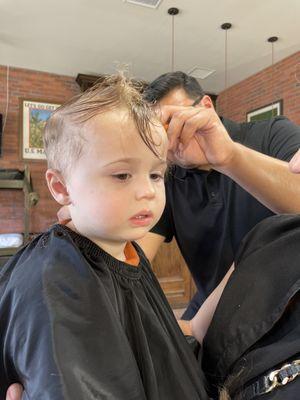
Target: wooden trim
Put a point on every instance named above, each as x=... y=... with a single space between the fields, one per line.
x=86 y=81
x=8 y=251
x=11 y=184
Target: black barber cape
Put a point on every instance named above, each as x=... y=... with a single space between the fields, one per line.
x=256 y=326
x=77 y=324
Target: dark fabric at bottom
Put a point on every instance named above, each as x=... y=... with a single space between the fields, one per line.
x=257 y=322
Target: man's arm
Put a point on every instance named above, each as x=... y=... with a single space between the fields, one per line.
x=267 y=179
x=198 y=326
x=198 y=137
x=150 y=244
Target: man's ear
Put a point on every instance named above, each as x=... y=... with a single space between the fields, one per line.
x=57 y=187
x=206 y=102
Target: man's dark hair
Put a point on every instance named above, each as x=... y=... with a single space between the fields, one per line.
x=165 y=83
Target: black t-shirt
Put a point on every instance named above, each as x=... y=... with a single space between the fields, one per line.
x=209 y=214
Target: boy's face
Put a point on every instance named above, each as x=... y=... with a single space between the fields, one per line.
x=116 y=187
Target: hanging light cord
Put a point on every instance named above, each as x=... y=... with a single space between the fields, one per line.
x=226 y=26
x=272 y=77
x=226 y=44
x=272 y=40
x=173 y=44
x=173 y=11
x=226 y=72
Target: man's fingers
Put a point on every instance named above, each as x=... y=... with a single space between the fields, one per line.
x=185 y=124
x=176 y=126
x=14 y=392
x=165 y=112
x=191 y=126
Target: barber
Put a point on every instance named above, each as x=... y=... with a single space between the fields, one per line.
x=227 y=177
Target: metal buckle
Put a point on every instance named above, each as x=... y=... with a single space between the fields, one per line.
x=273 y=376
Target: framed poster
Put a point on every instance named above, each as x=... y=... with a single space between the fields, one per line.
x=33 y=117
x=266 y=112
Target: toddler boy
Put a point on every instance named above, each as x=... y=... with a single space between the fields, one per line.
x=82 y=315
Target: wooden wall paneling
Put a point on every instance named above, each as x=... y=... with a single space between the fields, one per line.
x=173 y=275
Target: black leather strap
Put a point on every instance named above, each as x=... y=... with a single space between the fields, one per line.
x=271 y=381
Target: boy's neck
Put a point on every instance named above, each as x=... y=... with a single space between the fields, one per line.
x=115 y=249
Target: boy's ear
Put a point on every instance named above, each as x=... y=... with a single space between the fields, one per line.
x=206 y=102
x=57 y=187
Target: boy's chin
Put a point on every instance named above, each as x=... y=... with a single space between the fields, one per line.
x=138 y=234
x=134 y=238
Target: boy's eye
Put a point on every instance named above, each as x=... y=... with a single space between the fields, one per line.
x=122 y=177
x=156 y=177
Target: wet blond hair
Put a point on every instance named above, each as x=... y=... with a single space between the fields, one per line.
x=63 y=137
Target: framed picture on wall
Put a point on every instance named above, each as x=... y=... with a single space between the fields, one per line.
x=33 y=117
x=266 y=112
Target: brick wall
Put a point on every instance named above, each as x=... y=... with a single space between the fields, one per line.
x=33 y=85
x=259 y=90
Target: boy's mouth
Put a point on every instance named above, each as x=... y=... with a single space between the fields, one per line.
x=142 y=218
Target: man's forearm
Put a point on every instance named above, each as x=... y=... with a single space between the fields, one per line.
x=201 y=321
x=266 y=178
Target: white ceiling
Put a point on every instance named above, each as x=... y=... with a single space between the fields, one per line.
x=93 y=36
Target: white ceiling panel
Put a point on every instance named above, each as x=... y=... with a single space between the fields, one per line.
x=95 y=36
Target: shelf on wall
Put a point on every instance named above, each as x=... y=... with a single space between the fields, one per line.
x=15 y=179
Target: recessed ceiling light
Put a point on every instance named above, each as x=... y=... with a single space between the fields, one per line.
x=200 y=73
x=145 y=3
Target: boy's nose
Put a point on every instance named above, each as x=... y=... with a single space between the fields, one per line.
x=145 y=190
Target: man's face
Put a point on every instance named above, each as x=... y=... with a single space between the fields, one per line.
x=117 y=185
x=177 y=97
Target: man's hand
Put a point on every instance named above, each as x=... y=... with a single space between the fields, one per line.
x=14 y=392
x=197 y=137
x=294 y=164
